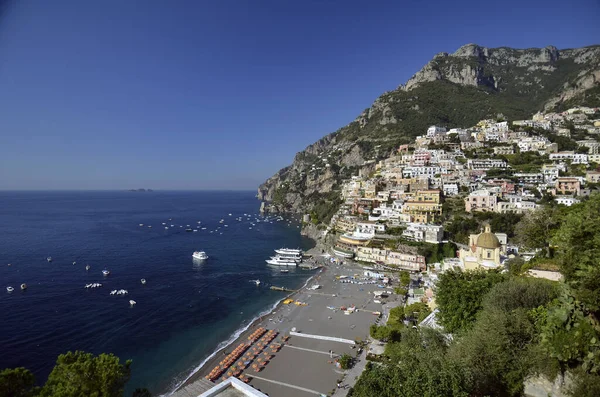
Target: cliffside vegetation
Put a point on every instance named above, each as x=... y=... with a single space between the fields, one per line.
x=506 y=327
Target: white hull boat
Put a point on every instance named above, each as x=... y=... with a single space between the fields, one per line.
x=200 y=255
x=279 y=261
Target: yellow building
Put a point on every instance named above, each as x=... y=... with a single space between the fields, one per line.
x=485 y=250
x=424 y=207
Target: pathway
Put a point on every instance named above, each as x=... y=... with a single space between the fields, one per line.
x=287 y=385
x=352 y=375
x=310 y=350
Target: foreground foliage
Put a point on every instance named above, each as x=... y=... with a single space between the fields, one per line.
x=76 y=374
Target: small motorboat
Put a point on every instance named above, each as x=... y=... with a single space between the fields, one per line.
x=23 y=287
x=257 y=282
x=113 y=292
x=105 y=272
x=9 y=289
x=166 y=228
x=149 y=226
x=87 y=267
x=49 y=259
x=188 y=230
x=74 y=262
x=284 y=271
x=200 y=255
x=132 y=303
x=143 y=281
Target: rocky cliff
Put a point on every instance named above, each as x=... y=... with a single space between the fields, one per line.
x=452 y=90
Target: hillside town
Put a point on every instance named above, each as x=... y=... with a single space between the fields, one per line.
x=498 y=167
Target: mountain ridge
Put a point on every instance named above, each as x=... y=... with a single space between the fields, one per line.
x=453 y=90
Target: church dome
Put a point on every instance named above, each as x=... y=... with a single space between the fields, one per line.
x=488 y=240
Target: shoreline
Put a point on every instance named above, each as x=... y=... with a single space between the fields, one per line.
x=242 y=333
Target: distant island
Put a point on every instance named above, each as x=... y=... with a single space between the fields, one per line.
x=140 y=190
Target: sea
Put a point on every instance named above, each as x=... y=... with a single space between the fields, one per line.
x=186 y=310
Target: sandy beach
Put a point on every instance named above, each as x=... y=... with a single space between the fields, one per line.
x=305 y=366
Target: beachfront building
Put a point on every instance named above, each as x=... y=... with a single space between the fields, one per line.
x=409 y=262
x=371 y=254
x=486 y=250
x=480 y=201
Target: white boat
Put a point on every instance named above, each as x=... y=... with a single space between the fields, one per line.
x=9 y=289
x=132 y=303
x=23 y=287
x=257 y=282
x=105 y=272
x=49 y=259
x=289 y=251
x=284 y=270
x=141 y=224
x=280 y=261
x=200 y=255
x=74 y=262
x=87 y=267
x=143 y=281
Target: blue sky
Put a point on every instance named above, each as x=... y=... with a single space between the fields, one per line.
x=221 y=94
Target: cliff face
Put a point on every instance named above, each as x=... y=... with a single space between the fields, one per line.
x=451 y=90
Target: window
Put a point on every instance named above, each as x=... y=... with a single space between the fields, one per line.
x=489 y=254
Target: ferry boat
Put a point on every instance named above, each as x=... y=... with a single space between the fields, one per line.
x=289 y=251
x=200 y=255
x=281 y=261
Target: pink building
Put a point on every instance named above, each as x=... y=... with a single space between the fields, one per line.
x=480 y=200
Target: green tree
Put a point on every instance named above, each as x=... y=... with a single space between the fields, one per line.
x=418 y=367
x=460 y=295
x=79 y=374
x=17 y=382
x=536 y=228
x=494 y=353
x=417 y=311
x=345 y=361
x=404 y=277
x=578 y=247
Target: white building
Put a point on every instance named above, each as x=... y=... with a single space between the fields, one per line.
x=422 y=232
x=435 y=130
x=576 y=158
x=566 y=200
x=368 y=228
x=485 y=164
x=450 y=189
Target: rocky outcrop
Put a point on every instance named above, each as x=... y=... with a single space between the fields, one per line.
x=453 y=89
x=481 y=66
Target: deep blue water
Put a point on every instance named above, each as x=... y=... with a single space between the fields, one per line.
x=183 y=312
